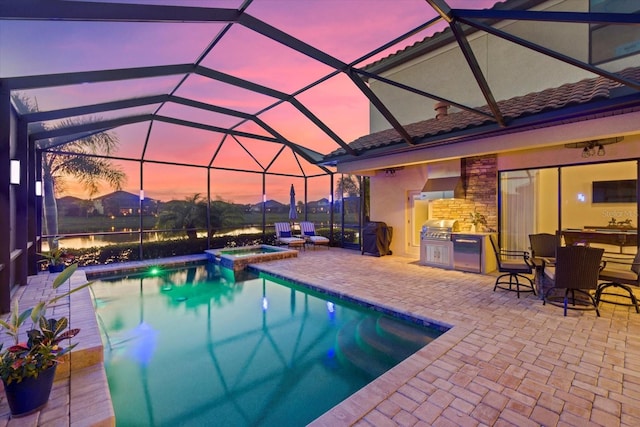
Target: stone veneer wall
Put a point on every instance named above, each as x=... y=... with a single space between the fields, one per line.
x=482 y=194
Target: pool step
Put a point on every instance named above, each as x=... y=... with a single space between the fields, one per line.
x=384 y=344
x=350 y=351
x=407 y=332
x=376 y=344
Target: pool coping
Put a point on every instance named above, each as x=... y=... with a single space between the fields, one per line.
x=359 y=301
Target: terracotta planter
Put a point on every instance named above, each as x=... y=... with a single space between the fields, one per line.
x=31 y=394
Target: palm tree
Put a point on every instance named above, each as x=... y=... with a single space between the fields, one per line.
x=347 y=184
x=79 y=160
x=188 y=215
x=224 y=215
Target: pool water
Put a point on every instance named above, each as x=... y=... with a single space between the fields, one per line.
x=192 y=347
x=249 y=251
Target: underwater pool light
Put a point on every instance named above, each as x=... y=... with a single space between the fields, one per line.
x=155 y=270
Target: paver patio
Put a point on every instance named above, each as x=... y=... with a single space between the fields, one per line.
x=504 y=361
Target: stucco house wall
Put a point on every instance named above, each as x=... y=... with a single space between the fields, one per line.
x=511 y=70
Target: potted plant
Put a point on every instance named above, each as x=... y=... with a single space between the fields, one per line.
x=477 y=219
x=55 y=258
x=28 y=368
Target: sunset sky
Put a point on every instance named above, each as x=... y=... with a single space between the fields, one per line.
x=345 y=29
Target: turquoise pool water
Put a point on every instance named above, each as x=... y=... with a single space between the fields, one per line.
x=238 y=252
x=194 y=347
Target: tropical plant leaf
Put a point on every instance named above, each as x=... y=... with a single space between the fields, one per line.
x=24 y=316
x=68 y=334
x=37 y=312
x=66 y=294
x=60 y=326
x=64 y=275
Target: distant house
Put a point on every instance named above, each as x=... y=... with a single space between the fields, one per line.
x=319 y=206
x=74 y=206
x=122 y=203
x=271 y=206
x=322 y=205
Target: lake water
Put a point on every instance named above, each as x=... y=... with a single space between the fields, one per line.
x=100 y=240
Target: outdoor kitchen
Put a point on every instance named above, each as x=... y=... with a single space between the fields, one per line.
x=443 y=245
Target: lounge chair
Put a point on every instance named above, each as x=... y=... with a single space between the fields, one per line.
x=283 y=235
x=309 y=234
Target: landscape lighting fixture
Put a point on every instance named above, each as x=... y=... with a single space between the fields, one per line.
x=15 y=172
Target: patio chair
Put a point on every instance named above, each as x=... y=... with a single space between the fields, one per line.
x=576 y=271
x=308 y=230
x=620 y=271
x=514 y=264
x=283 y=235
x=543 y=247
x=543 y=251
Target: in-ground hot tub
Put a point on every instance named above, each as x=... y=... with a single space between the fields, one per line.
x=238 y=258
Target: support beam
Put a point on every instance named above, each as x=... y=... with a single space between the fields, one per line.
x=81 y=77
x=477 y=72
x=552 y=53
x=21 y=200
x=89 y=11
x=379 y=105
x=550 y=16
x=7 y=210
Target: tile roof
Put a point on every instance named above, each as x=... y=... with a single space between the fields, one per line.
x=553 y=99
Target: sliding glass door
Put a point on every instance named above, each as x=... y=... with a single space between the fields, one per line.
x=599 y=197
x=528 y=205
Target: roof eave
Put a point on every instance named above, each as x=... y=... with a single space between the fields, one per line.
x=566 y=115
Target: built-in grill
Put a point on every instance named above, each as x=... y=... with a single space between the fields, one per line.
x=436 y=246
x=439 y=229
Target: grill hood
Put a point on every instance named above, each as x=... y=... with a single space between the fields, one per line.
x=450 y=187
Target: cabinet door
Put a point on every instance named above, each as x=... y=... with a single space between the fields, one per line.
x=438 y=254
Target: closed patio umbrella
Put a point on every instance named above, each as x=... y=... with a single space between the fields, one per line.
x=293 y=214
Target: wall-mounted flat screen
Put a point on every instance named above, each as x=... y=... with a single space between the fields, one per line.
x=620 y=191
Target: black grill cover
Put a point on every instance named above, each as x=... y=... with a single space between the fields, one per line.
x=376 y=238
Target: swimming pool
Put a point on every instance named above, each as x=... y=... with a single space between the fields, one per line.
x=189 y=347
